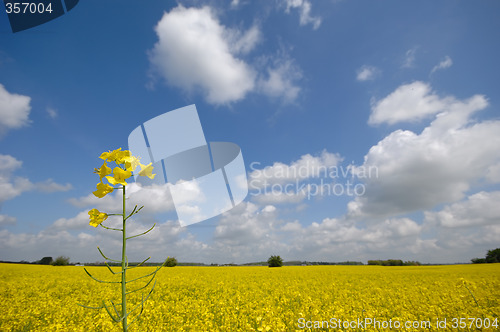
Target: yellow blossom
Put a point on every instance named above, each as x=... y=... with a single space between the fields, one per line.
x=103 y=189
x=116 y=155
x=131 y=163
x=110 y=155
x=147 y=170
x=121 y=157
x=97 y=217
x=119 y=176
x=102 y=171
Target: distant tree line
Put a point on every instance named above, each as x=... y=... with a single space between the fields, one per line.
x=492 y=256
x=48 y=260
x=333 y=263
x=393 y=262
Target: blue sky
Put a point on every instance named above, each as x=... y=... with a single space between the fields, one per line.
x=407 y=88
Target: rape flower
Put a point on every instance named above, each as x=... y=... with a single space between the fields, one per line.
x=131 y=163
x=119 y=176
x=147 y=170
x=103 y=189
x=122 y=156
x=102 y=171
x=116 y=155
x=97 y=217
x=110 y=155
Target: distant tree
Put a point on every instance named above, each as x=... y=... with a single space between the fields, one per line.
x=45 y=261
x=478 y=260
x=374 y=262
x=61 y=261
x=170 y=262
x=275 y=261
x=412 y=263
x=493 y=256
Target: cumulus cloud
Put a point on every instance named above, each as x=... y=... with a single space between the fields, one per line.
x=14 y=110
x=209 y=57
x=416 y=101
x=49 y=186
x=8 y=164
x=195 y=51
x=305 y=167
x=277 y=184
x=446 y=63
x=68 y=237
x=80 y=221
x=12 y=186
x=439 y=165
x=493 y=173
x=304 y=8
x=367 y=73
x=477 y=210
x=7 y=220
x=155 y=199
x=249 y=233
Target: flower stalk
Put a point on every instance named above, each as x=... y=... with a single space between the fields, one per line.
x=126 y=164
x=124 y=268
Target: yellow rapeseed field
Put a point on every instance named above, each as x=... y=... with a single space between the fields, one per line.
x=302 y=298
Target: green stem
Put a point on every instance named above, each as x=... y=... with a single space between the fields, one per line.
x=124 y=278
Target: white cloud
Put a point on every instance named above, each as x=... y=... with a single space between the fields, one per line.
x=155 y=199
x=409 y=60
x=195 y=51
x=416 y=101
x=243 y=42
x=7 y=220
x=250 y=233
x=304 y=8
x=307 y=166
x=269 y=209
x=281 y=80
x=74 y=237
x=49 y=186
x=8 y=164
x=367 y=73
x=439 y=165
x=81 y=221
x=282 y=183
x=14 y=110
x=479 y=209
x=13 y=186
x=208 y=57
x=493 y=173
x=446 y=63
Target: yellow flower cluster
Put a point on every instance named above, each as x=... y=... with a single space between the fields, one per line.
x=126 y=165
x=43 y=298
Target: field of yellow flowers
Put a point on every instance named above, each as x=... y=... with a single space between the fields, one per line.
x=301 y=298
